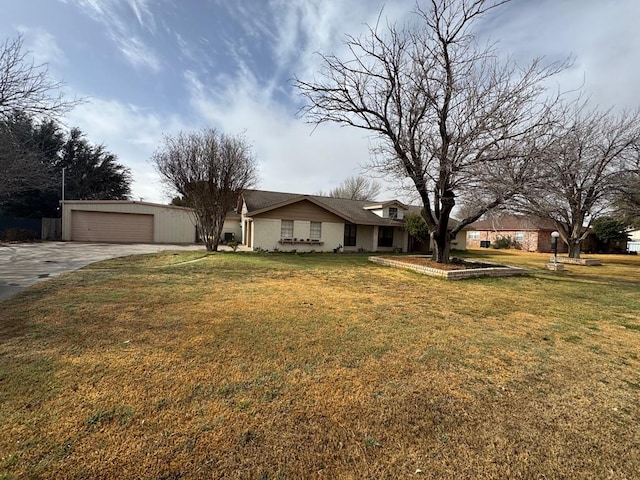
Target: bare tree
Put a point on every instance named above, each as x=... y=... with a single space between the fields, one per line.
x=356 y=188
x=26 y=87
x=447 y=114
x=592 y=154
x=210 y=170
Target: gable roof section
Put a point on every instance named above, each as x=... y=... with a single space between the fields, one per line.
x=379 y=205
x=513 y=223
x=352 y=211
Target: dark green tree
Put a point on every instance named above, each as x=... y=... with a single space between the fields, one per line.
x=32 y=156
x=416 y=226
x=92 y=173
x=179 y=201
x=627 y=197
x=29 y=152
x=607 y=228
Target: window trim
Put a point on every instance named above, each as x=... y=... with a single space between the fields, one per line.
x=383 y=239
x=282 y=228
x=352 y=239
x=318 y=235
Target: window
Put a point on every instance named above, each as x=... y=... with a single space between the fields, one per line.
x=393 y=212
x=286 y=229
x=315 y=231
x=474 y=235
x=385 y=236
x=349 y=235
x=519 y=237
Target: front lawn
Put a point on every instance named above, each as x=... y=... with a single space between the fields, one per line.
x=282 y=366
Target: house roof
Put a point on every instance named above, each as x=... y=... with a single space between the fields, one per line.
x=513 y=223
x=353 y=211
x=123 y=202
x=378 y=205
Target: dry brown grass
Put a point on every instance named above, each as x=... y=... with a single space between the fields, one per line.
x=317 y=366
x=614 y=268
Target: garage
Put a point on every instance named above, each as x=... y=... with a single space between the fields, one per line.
x=87 y=226
x=126 y=221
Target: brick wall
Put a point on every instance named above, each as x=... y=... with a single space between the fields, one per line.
x=531 y=241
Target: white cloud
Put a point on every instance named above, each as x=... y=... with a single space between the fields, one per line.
x=131 y=133
x=291 y=158
x=42 y=45
x=292 y=155
x=137 y=53
x=143 y=13
x=601 y=38
x=111 y=15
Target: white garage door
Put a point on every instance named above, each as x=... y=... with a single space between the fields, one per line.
x=111 y=227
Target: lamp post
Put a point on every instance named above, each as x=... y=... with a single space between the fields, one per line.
x=554 y=241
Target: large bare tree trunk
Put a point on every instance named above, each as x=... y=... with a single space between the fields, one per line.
x=441 y=248
x=574 y=249
x=448 y=117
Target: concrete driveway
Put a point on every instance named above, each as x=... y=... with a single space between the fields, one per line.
x=25 y=264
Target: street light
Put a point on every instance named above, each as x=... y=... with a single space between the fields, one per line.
x=554 y=241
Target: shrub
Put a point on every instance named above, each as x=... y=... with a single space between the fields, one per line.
x=233 y=244
x=503 y=242
x=18 y=235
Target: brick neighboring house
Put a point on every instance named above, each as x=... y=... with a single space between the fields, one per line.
x=529 y=233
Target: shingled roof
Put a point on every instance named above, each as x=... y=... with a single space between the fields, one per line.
x=513 y=223
x=353 y=211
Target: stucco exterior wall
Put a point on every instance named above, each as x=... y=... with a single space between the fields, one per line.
x=232 y=225
x=364 y=239
x=170 y=224
x=266 y=236
x=460 y=242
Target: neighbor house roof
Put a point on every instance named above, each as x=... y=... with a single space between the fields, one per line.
x=353 y=211
x=513 y=223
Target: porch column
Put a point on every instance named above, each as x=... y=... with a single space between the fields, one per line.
x=375 y=239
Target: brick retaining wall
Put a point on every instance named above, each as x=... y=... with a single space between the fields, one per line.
x=498 y=271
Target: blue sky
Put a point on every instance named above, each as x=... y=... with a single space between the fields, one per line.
x=153 y=67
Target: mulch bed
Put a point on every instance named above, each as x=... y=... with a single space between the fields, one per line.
x=456 y=263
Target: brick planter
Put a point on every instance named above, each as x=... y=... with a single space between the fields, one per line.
x=497 y=271
x=589 y=262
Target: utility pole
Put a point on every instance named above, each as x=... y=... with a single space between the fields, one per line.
x=63 y=169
